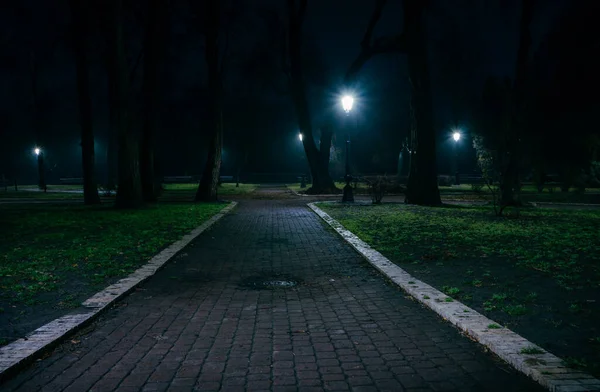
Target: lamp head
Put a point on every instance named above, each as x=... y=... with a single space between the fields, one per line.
x=347 y=102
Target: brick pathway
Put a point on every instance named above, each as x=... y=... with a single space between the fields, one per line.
x=197 y=326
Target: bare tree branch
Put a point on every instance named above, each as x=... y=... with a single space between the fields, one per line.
x=366 y=42
x=371 y=47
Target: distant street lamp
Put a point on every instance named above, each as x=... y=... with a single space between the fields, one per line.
x=348 y=196
x=456 y=136
x=40 y=160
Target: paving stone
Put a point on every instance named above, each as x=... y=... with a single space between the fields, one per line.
x=342 y=327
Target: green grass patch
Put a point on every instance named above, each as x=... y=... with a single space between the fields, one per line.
x=559 y=243
x=452 y=291
x=56 y=249
x=531 y=350
x=28 y=194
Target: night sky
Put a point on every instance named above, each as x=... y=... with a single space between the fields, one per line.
x=468 y=40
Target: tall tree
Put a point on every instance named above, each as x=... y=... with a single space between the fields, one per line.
x=318 y=160
x=422 y=185
x=207 y=189
x=502 y=121
x=560 y=69
x=154 y=47
x=80 y=21
x=129 y=190
x=510 y=183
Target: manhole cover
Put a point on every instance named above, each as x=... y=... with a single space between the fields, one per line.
x=279 y=283
x=262 y=282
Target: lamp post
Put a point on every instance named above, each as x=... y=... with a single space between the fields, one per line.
x=456 y=136
x=40 y=160
x=303 y=176
x=348 y=196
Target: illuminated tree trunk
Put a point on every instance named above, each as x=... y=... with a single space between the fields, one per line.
x=80 y=24
x=129 y=191
x=207 y=189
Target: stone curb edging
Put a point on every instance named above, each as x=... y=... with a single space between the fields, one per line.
x=22 y=351
x=545 y=368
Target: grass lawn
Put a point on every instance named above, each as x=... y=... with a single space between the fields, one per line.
x=56 y=192
x=538 y=274
x=55 y=256
x=529 y=193
x=465 y=192
x=41 y=195
x=224 y=189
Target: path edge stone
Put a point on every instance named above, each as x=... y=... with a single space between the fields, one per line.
x=21 y=352
x=543 y=367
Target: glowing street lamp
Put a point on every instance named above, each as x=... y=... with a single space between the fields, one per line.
x=456 y=136
x=347 y=102
x=348 y=196
x=303 y=176
x=40 y=160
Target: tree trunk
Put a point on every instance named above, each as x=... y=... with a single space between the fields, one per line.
x=113 y=128
x=510 y=177
x=207 y=189
x=509 y=186
x=422 y=187
x=80 y=34
x=129 y=190
x=41 y=172
x=153 y=52
x=325 y=146
x=209 y=183
x=321 y=180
